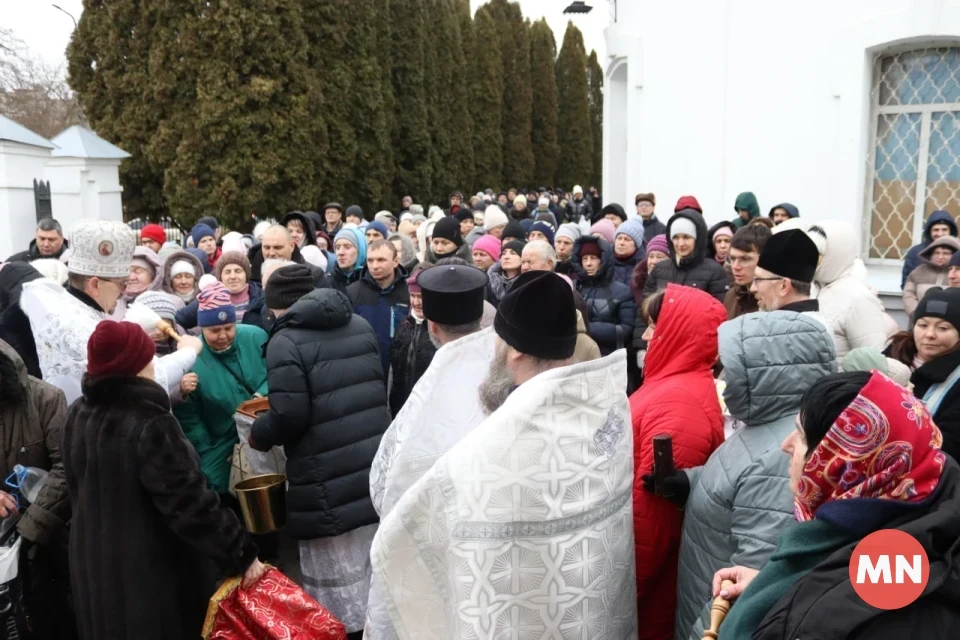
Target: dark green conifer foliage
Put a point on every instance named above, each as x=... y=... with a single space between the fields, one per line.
x=546 y=149
x=573 y=122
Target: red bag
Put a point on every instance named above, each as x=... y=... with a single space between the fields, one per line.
x=274 y=608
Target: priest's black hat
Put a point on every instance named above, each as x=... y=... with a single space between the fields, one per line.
x=790 y=254
x=538 y=317
x=452 y=294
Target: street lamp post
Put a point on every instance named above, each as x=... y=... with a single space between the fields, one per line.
x=59 y=8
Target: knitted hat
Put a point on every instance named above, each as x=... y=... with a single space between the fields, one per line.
x=543 y=201
x=688 y=202
x=101 y=248
x=412 y=285
x=955 y=259
x=210 y=221
x=448 y=228
x=463 y=214
x=683 y=226
x=514 y=245
x=493 y=216
x=354 y=210
x=161 y=303
x=659 y=243
x=315 y=256
x=543 y=228
x=590 y=247
x=577 y=189
x=287 y=285
x=489 y=245
x=645 y=197
x=790 y=254
x=118 y=349
x=520 y=199
x=723 y=230
x=379 y=226
x=568 y=230
x=633 y=229
x=616 y=210
x=537 y=316
x=215 y=307
x=154 y=232
x=526 y=224
x=605 y=229
x=939 y=303
x=232 y=257
x=200 y=232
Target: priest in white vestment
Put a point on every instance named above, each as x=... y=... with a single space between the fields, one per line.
x=524 y=527
x=443 y=406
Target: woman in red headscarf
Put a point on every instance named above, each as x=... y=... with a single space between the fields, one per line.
x=865 y=456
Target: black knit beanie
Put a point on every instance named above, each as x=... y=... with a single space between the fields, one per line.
x=514 y=245
x=449 y=229
x=940 y=303
x=513 y=230
x=287 y=285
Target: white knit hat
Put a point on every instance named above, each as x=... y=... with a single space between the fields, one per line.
x=101 y=248
x=683 y=226
x=182 y=266
x=493 y=217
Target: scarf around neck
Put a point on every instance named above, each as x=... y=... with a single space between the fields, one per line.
x=883 y=446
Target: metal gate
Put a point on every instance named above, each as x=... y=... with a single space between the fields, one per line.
x=41 y=199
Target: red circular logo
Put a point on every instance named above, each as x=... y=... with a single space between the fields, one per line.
x=889 y=569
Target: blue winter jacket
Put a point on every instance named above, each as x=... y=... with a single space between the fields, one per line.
x=613 y=311
x=912 y=261
x=384 y=309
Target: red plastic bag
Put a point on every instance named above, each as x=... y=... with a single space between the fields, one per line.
x=275 y=608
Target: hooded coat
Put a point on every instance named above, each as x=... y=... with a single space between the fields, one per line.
x=791 y=210
x=693 y=271
x=341 y=279
x=853 y=311
x=198 y=272
x=328 y=410
x=308 y=224
x=823 y=603
x=149 y=256
x=912 y=259
x=612 y=308
x=32 y=415
x=678 y=399
x=15 y=327
x=384 y=309
x=746 y=201
x=143 y=517
x=927 y=275
x=740 y=499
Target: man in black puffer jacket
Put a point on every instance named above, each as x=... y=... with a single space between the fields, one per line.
x=688 y=264
x=328 y=409
x=14 y=326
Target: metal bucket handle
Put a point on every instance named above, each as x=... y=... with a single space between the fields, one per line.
x=239 y=465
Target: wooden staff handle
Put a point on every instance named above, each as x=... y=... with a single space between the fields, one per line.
x=719 y=610
x=167 y=329
x=663 y=466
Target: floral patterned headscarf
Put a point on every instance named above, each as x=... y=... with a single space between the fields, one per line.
x=884 y=445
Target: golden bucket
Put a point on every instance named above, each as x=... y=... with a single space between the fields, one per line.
x=263 y=499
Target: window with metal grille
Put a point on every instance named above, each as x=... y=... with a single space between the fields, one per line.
x=914 y=162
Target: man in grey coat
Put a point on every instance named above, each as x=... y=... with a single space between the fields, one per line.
x=740 y=499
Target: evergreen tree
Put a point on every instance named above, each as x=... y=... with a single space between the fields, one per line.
x=595 y=83
x=385 y=62
x=249 y=143
x=573 y=121
x=461 y=122
x=433 y=88
x=372 y=170
x=327 y=27
x=516 y=124
x=410 y=136
x=486 y=102
x=466 y=74
x=546 y=149
x=108 y=67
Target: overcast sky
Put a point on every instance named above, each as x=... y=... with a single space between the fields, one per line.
x=47 y=31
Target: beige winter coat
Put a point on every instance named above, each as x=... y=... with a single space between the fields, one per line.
x=927 y=275
x=586 y=349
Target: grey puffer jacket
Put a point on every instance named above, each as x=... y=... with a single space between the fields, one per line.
x=740 y=499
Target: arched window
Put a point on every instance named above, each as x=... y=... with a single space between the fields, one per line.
x=914 y=161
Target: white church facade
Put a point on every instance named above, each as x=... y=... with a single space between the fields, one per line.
x=849 y=110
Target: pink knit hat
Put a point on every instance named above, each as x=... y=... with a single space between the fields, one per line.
x=215 y=307
x=605 y=229
x=489 y=245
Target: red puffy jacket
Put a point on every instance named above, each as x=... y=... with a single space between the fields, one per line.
x=678 y=398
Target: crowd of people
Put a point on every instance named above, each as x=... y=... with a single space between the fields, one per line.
x=466 y=400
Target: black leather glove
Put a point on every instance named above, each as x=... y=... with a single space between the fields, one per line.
x=676 y=487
